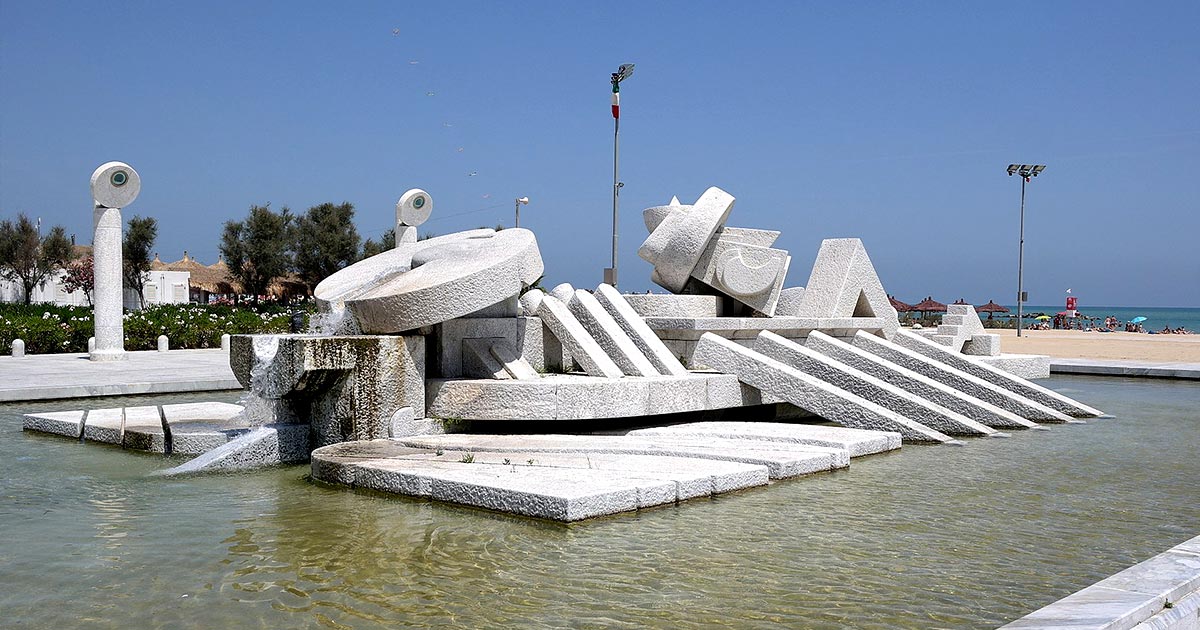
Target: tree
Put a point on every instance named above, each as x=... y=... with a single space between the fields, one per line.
x=325 y=241
x=27 y=259
x=256 y=249
x=386 y=242
x=136 y=248
x=81 y=276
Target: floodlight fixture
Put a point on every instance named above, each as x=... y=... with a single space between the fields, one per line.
x=1027 y=173
x=623 y=72
x=520 y=201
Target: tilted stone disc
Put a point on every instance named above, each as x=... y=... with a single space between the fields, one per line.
x=435 y=280
x=414 y=207
x=115 y=185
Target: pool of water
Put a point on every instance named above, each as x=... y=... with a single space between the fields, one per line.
x=926 y=537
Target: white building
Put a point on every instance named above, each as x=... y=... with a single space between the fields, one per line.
x=162 y=287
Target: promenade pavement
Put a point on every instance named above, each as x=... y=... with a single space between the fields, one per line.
x=50 y=376
x=1124 y=367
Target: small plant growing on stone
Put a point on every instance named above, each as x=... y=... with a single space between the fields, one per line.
x=439 y=452
x=530 y=462
x=507 y=461
x=467 y=458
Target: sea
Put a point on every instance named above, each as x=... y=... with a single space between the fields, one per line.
x=1156 y=317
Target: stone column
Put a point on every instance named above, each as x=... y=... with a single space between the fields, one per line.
x=107 y=297
x=114 y=186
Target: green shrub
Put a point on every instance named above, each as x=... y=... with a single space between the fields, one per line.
x=48 y=329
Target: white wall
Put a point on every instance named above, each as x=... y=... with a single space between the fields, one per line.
x=162 y=287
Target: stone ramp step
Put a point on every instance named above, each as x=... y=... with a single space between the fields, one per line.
x=857 y=442
x=998 y=377
x=957 y=379
x=556 y=486
x=780 y=459
x=808 y=392
x=917 y=384
x=867 y=386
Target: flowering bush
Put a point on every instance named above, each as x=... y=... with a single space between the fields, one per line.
x=48 y=329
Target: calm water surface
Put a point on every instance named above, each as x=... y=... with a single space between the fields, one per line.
x=928 y=537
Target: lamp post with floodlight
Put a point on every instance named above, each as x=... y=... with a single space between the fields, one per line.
x=1027 y=173
x=622 y=73
x=520 y=201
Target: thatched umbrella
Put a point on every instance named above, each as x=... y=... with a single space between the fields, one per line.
x=900 y=307
x=960 y=302
x=991 y=308
x=929 y=305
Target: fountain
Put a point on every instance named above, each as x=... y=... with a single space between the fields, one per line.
x=435 y=336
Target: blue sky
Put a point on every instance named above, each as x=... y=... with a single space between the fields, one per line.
x=892 y=122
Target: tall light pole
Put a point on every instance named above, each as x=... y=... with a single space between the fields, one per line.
x=1027 y=173
x=622 y=73
x=520 y=201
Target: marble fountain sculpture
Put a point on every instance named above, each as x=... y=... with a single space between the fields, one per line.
x=428 y=343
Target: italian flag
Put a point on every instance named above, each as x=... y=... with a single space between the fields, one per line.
x=616 y=103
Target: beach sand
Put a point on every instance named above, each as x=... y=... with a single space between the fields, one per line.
x=1077 y=344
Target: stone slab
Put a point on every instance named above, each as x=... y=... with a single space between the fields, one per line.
x=868 y=387
x=1026 y=366
x=478 y=362
x=789 y=302
x=578 y=397
x=856 y=442
x=515 y=365
x=635 y=327
x=916 y=384
x=611 y=336
x=982 y=344
x=782 y=460
x=671 y=305
x=1015 y=384
x=525 y=335
x=65 y=423
x=575 y=338
x=269 y=445
x=808 y=392
x=959 y=380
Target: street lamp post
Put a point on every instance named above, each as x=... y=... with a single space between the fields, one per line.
x=622 y=73
x=1027 y=172
x=520 y=201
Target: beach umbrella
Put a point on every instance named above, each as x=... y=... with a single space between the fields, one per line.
x=991 y=308
x=1042 y=317
x=1137 y=320
x=929 y=305
x=900 y=307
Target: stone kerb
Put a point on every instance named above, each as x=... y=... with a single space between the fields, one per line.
x=807 y=392
x=998 y=377
x=915 y=383
x=869 y=387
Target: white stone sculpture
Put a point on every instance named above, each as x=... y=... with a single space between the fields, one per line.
x=432 y=281
x=843 y=283
x=691 y=243
x=114 y=186
x=413 y=209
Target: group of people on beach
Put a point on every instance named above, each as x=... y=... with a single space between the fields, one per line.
x=1111 y=324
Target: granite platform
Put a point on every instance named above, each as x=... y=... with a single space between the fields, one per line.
x=52 y=376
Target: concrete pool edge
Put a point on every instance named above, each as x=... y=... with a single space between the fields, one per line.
x=1161 y=593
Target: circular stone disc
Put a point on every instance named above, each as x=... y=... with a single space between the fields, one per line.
x=115 y=185
x=414 y=207
x=435 y=280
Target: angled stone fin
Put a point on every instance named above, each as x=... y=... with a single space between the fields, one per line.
x=843 y=283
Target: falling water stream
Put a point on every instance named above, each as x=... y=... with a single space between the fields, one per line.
x=926 y=537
